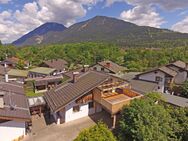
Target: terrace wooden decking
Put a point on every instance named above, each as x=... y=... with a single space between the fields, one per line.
x=113 y=102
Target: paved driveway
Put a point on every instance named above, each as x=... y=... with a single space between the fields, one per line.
x=63 y=132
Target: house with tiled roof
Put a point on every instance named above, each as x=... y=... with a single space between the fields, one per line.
x=11 y=62
x=59 y=64
x=87 y=94
x=14 y=111
x=17 y=75
x=44 y=78
x=171 y=74
x=182 y=71
x=108 y=67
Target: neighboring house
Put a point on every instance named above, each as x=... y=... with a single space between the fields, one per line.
x=14 y=112
x=87 y=94
x=41 y=72
x=44 y=79
x=59 y=64
x=108 y=67
x=171 y=74
x=163 y=76
x=43 y=84
x=182 y=71
x=17 y=75
x=145 y=87
x=13 y=61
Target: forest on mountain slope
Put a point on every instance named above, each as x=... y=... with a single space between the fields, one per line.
x=135 y=59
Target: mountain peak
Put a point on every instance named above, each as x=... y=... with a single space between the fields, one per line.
x=98 y=29
x=40 y=31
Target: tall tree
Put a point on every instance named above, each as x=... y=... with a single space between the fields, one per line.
x=144 y=120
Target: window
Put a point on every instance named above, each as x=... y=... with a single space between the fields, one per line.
x=95 y=68
x=76 y=108
x=158 y=79
x=102 y=69
x=91 y=105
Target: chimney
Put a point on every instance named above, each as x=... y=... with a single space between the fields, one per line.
x=75 y=76
x=1 y=102
x=6 y=75
x=85 y=68
x=108 y=64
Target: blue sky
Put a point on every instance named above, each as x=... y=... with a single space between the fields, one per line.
x=18 y=17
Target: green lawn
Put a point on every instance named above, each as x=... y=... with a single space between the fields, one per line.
x=30 y=93
x=29 y=90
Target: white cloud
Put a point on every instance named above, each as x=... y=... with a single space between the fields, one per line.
x=143 y=15
x=166 y=4
x=144 y=11
x=15 y=24
x=4 y=1
x=181 y=26
x=110 y=2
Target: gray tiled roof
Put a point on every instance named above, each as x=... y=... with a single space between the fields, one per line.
x=164 y=69
x=128 y=76
x=179 y=64
x=176 y=100
x=142 y=86
x=58 y=64
x=12 y=87
x=15 y=102
x=168 y=71
x=63 y=94
x=115 y=68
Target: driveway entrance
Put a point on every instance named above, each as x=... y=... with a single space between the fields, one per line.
x=41 y=131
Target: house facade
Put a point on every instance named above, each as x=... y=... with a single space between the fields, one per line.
x=92 y=92
x=166 y=76
x=163 y=76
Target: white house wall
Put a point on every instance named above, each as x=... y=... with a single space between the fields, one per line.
x=151 y=76
x=11 y=130
x=70 y=115
x=98 y=68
